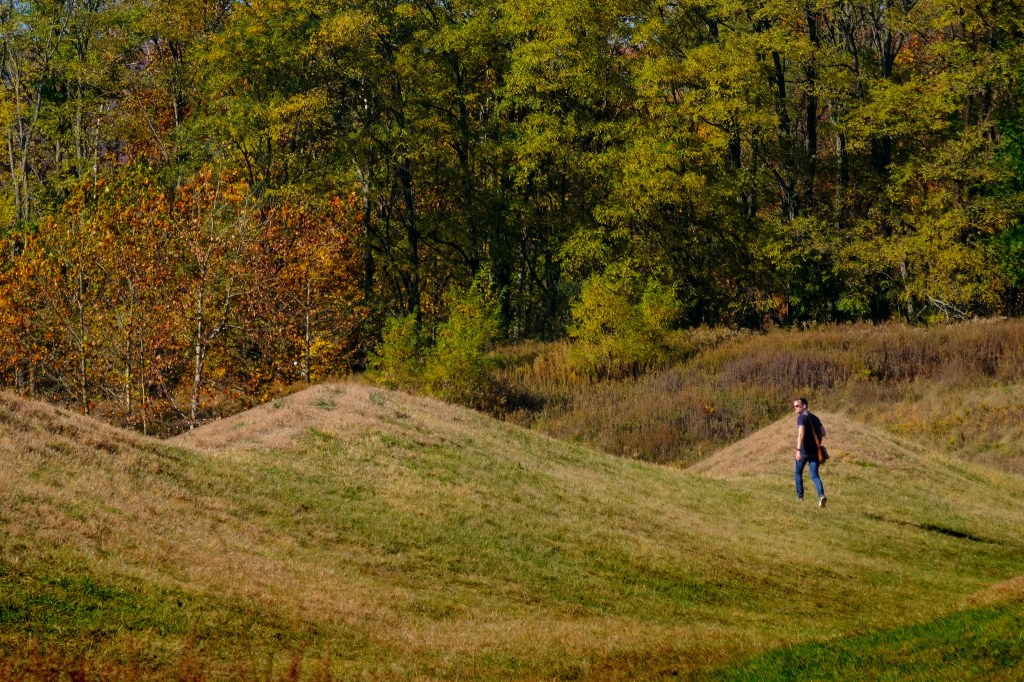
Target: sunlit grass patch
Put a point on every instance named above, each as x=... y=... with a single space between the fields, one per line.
x=444 y=544
x=978 y=644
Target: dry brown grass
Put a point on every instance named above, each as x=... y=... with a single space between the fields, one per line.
x=1011 y=590
x=279 y=424
x=958 y=387
x=849 y=442
x=395 y=537
x=130 y=506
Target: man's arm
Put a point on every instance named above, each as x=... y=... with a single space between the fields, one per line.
x=799 y=439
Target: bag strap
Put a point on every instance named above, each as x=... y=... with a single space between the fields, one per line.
x=811 y=418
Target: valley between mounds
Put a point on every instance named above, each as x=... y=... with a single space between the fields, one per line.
x=350 y=531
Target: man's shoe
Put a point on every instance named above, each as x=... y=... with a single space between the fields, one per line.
x=821 y=502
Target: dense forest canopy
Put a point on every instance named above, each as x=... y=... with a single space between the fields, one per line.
x=205 y=198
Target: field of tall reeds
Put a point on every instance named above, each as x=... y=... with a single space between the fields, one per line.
x=958 y=387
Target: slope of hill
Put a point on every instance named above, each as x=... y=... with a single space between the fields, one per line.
x=852 y=446
x=347 y=530
x=959 y=389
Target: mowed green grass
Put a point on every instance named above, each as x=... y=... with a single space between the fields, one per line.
x=349 y=532
x=975 y=644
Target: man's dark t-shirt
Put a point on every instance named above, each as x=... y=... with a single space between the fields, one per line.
x=809 y=445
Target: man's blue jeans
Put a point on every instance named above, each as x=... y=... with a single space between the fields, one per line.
x=799 y=476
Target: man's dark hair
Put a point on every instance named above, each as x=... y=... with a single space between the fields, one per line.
x=803 y=401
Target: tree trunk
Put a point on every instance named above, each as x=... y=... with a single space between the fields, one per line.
x=412 y=236
x=367 y=224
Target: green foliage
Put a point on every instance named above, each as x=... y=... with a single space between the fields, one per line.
x=774 y=165
x=459 y=367
x=1008 y=246
x=398 y=359
x=620 y=329
x=1009 y=249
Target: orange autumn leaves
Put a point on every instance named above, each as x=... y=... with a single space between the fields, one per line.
x=158 y=308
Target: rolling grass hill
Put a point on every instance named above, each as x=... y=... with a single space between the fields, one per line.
x=350 y=532
x=957 y=388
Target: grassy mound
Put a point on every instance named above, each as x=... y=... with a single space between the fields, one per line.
x=958 y=388
x=347 y=531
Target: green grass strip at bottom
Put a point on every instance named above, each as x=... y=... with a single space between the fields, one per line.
x=54 y=604
x=976 y=644
x=75 y=615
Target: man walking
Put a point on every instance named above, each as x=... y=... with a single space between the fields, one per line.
x=807 y=425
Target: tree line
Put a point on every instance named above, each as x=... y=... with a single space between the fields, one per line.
x=204 y=201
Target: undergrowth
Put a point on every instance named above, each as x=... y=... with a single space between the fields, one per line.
x=720 y=386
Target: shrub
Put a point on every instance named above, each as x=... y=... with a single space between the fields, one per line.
x=398 y=360
x=618 y=332
x=459 y=367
